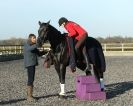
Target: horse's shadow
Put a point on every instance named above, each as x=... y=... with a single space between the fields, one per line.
x=116 y=89
x=112 y=91
x=72 y=95
x=11 y=101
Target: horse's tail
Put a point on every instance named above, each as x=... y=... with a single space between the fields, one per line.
x=101 y=59
x=96 y=53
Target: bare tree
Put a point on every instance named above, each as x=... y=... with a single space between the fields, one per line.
x=12 y=41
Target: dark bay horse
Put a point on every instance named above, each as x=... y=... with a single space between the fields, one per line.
x=60 y=54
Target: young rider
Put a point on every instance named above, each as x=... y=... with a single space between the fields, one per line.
x=79 y=34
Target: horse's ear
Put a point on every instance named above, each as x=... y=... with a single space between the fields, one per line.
x=48 y=22
x=39 y=23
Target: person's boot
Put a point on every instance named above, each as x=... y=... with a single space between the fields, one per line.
x=30 y=97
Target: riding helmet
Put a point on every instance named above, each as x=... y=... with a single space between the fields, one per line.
x=62 y=20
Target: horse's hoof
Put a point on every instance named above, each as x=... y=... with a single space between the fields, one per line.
x=102 y=89
x=88 y=73
x=62 y=96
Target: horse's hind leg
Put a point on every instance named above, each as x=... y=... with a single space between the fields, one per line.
x=100 y=77
x=101 y=59
x=102 y=67
x=102 y=82
x=88 y=67
x=95 y=59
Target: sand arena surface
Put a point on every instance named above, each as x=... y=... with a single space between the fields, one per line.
x=13 y=76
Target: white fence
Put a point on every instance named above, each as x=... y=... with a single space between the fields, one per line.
x=118 y=49
x=16 y=49
x=11 y=49
x=107 y=48
x=123 y=47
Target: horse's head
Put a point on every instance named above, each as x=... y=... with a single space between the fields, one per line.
x=49 y=33
x=42 y=33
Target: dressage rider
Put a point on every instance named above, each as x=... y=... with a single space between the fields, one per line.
x=78 y=35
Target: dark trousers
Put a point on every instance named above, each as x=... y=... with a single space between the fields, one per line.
x=73 y=47
x=31 y=75
x=81 y=42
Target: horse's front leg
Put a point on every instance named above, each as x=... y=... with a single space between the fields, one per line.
x=62 y=79
x=61 y=71
x=57 y=68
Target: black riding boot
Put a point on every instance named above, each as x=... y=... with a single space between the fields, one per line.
x=72 y=61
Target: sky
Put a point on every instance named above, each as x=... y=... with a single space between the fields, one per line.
x=101 y=18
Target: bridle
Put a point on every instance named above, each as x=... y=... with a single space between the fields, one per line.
x=42 y=34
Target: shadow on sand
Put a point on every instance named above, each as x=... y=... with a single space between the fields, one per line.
x=118 y=88
x=112 y=91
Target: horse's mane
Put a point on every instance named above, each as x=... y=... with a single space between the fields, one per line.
x=55 y=37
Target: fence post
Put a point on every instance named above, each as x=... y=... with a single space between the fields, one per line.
x=20 y=50
x=3 y=50
x=15 y=50
x=122 y=45
x=105 y=47
x=9 y=50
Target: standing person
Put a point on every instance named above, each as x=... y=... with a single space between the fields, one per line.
x=30 y=62
x=79 y=35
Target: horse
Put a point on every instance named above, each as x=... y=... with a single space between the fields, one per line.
x=60 y=54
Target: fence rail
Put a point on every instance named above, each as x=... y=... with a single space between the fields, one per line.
x=11 y=49
x=121 y=47
x=16 y=49
x=110 y=47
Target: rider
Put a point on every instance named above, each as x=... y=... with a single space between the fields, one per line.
x=75 y=34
